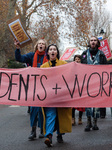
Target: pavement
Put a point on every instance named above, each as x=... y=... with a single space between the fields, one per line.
x=15 y=129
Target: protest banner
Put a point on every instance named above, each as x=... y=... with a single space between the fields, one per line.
x=105 y=48
x=18 y=31
x=68 y=53
x=69 y=85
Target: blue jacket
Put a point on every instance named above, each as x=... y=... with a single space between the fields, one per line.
x=27 y=58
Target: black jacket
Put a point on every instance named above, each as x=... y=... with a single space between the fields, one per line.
x=103 y=59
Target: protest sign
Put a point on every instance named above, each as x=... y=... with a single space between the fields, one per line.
x=69 y=85
x=18 y=31
x=105 y=48
x=68 y=53
x=100 y=37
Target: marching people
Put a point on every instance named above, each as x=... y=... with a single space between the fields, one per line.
x=93 y=56
x=34 y=59
x=55 y=118
x=77 y=58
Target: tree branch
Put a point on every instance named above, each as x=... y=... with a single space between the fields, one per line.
x=18 y=9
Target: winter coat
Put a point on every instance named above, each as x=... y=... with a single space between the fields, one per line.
x=103 y=59
x=64 y=114
x=27 y=58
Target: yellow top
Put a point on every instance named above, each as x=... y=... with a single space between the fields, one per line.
x=64 y=114
x=49 y=63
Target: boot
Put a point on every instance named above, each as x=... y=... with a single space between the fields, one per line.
x=41 y=135
x=59 y=138
x=28 y=111
x=48 y=141
x=73 y=122
x=95 y=127
x=111 y=111
x=33 y=134
x=80 y=121
x=89 y=124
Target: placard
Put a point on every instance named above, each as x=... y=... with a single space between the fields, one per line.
x=68 y=53
x=105 y=48
x=18 y=31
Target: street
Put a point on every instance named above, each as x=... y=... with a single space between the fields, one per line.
x=15 y=129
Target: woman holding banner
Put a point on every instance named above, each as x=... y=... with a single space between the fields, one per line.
x=34 y=59
x=55 y=118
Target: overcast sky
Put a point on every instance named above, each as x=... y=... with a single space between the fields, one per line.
x=109 y=6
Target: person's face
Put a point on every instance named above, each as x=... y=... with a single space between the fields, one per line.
x=52 y=52
x=77 y=59
x=93 y=42
x=41 y=45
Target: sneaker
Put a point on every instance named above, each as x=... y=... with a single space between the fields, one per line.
x=60 y=139
x=48 y=142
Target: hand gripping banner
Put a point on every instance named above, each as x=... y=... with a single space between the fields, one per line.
x=69 y=85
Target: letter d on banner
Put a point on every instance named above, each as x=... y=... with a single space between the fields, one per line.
x=4 y=78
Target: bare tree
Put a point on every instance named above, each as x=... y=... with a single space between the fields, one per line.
x=82 y=26
x=24 y=9
x=100 y=18
x=57 y=18
x=89 y=18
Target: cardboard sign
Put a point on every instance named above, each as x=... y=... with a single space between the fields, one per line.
x=105 y=48
x=68 y=53
x=18 y=31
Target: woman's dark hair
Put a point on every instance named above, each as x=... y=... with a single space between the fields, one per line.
x=79 y=56
x=58 y=54
x=98 y=42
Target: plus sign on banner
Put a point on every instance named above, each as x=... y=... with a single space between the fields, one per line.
x=68 y=53
x=105 y=48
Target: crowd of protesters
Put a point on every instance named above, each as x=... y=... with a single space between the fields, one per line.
x=50 y=118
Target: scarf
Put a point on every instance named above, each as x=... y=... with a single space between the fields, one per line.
x=53 y=63
x=95 y=60
x=36 y=56
x=93 y=51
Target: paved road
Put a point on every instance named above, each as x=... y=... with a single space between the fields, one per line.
x=15 y=129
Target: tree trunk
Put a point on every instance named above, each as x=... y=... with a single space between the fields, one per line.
x=7 y=50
